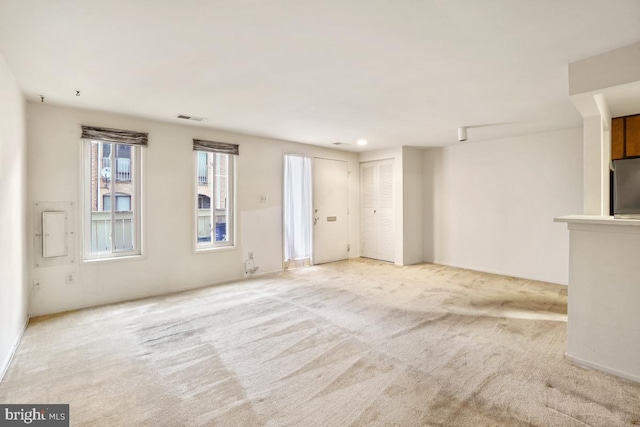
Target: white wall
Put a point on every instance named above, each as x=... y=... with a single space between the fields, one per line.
x=595 y=167
x=489 y=206
x=13 y=184
x=169 y=263
x=412 y=194
x=609 y=69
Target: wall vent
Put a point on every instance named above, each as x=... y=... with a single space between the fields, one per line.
x=187 y=117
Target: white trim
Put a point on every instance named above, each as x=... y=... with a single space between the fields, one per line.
x=7 y=362
x=497 y=273
x=113 y=259
x=602 y=368
x=143 y=296
x=215 y=249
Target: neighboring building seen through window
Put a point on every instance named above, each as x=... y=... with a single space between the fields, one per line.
x=112 y=197
x=120 y=165
x=214 y=200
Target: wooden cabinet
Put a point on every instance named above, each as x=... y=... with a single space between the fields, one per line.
x=632 y=136
x=625 y=137
x=617 y=138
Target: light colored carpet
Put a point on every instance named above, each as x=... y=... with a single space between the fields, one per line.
x=351 y=343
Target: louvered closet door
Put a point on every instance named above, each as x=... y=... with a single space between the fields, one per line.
x=377 y=213
x=367 y=208
x=384 y=212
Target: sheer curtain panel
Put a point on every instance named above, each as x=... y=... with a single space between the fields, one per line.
x=297 y=207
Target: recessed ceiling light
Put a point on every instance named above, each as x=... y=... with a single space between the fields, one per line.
x=362 y=142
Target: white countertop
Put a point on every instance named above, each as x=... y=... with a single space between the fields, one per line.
x=597 y=220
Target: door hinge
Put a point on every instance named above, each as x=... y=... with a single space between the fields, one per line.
x=348 y=247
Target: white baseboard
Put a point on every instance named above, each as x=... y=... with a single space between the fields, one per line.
x=602 y=368
x=5 y=365
x=194 y=287
x=494 y=272
x=262 y=274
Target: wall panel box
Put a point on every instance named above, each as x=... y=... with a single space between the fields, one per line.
x=54 y=234
x=54 y=237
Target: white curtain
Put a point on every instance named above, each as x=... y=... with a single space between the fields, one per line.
x=297 y=207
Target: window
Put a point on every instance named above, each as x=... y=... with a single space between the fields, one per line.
x=123 y=202
x=112 y=193
x=203 y=175
x=214 y=179
x=204 y=202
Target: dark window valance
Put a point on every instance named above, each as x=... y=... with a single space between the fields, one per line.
x=115 y=135
x=215 y=147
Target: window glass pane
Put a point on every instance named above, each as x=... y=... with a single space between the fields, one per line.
x=204 y=218
x=112 y=226
x=123 y=163
x=100 y=228
x=106 y=202
x=221 y=193
x=124 y=229
x=203 y=170
x=213 y=199
x=123 y=202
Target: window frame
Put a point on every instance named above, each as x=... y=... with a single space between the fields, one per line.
x=136 y=202
x=203 y=247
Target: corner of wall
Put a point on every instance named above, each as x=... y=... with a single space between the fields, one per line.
x=13 y=216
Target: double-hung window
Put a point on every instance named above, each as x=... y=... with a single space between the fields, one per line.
x=214 y=196
x=112 y=170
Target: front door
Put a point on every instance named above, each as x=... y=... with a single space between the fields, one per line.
x=330 y=210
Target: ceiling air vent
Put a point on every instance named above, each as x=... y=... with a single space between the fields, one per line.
x=192 y=118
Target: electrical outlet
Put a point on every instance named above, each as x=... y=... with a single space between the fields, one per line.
x=36 y=284
x=70 y=278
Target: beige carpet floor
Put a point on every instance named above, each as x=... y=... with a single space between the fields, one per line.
x=359 y=343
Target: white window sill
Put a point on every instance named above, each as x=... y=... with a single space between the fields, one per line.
x=114 y=259
x=215 y=249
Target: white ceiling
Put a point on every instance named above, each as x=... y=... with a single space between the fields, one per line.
x=396 y=72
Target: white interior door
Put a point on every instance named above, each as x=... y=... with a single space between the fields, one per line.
x=377 y=234
x=368 y=235
x=330 y=210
